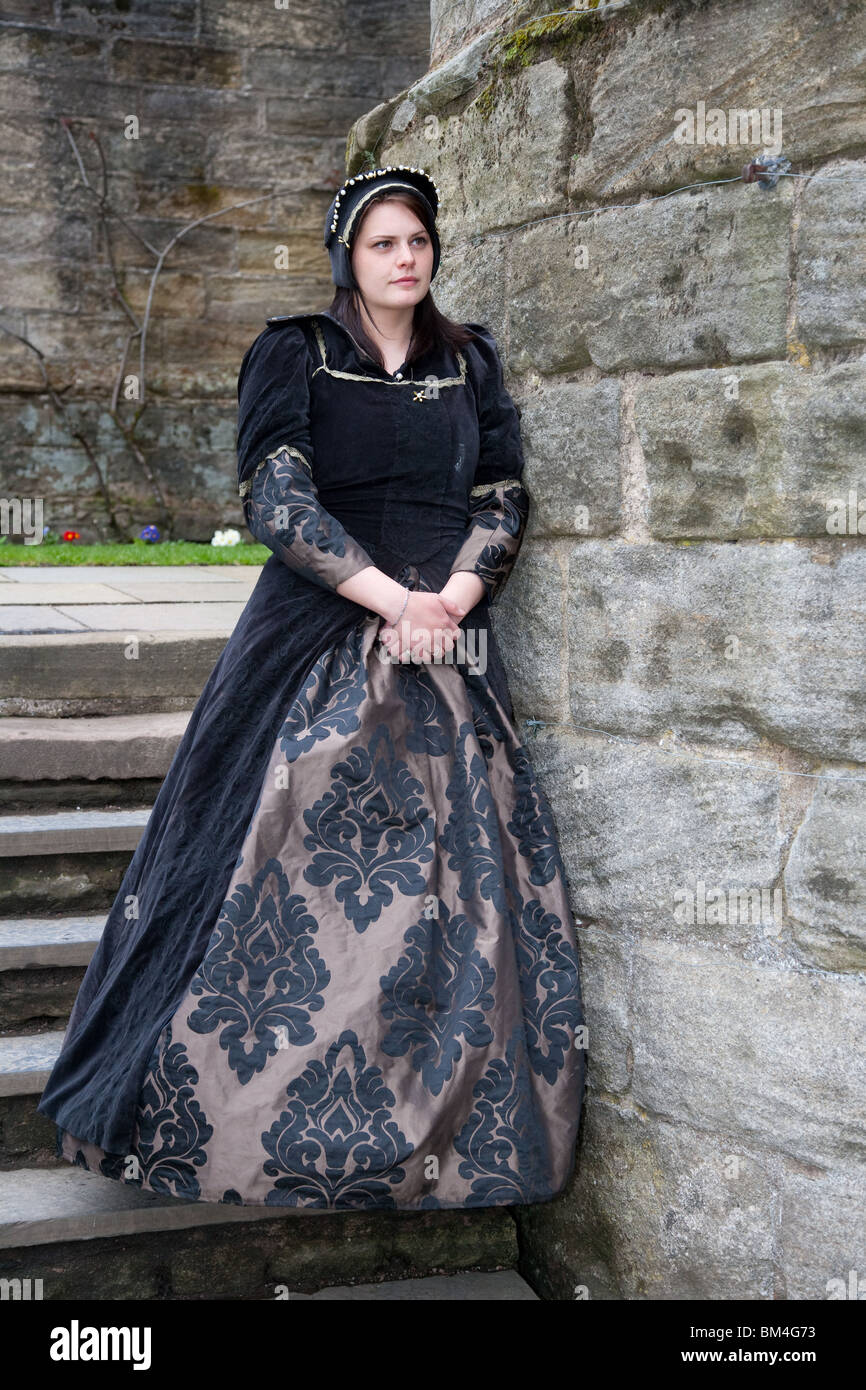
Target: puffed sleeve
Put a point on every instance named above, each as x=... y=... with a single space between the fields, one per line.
x=498 y=501
x=276 y=462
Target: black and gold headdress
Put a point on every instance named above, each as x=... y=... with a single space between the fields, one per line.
x=350 y=200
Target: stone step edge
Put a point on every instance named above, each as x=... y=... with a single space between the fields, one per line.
x=494 y=1286
x=87 y=747
x=26 y=1060
x=44 y=1206
x=68 y=666
x=38 y=942
x=71 y=832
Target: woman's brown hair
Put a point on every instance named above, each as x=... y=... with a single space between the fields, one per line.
x=430 y=328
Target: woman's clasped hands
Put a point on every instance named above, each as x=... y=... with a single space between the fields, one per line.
x=427 y=629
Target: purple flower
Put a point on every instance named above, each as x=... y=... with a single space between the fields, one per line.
x=150 y=533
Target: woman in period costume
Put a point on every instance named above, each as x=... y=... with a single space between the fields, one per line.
x=341 y=969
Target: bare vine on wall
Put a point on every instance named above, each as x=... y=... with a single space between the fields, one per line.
x=127 y=423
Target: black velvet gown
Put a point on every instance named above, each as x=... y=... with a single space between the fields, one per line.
x=341 y=969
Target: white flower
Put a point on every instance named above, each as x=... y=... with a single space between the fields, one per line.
x=229 y=537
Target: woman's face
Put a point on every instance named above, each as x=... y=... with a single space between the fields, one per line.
x=393 y=256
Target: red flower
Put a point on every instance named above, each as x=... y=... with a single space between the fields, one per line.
x=70 y=536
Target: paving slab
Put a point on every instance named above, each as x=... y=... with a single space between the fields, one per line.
x=103 y=598
x=36 y=618
x=194 y=591
x=151 y=617
x=109 y=574
x=18 y=594
x=230 y=569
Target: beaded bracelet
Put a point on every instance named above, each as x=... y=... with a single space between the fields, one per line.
x=402 y=610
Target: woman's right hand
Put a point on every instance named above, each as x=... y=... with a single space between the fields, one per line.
x=426 y=630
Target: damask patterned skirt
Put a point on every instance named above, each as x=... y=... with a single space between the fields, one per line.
x=388 y=1013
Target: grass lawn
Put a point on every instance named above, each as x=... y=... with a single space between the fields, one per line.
x=132 y=553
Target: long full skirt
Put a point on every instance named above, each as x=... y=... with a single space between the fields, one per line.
x=388 y=1010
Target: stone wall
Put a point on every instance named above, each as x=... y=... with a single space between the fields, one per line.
x=692 y=379
x=233 y=101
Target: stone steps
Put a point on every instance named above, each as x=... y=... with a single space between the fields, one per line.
x=50 y=1204
x=89 y=724
x=71 y=832
x=119 y=747
x=499 y=1286
x=99 y=762
x=18 y=798
x=25 y=1061
x=65 y=861
x=28 y=942
x=27 y=1138
x=82 y=673
x=60 y=1223
x=41 y=1206
x=76 y=1230
x=42 y=965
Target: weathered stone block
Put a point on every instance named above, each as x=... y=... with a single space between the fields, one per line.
x=23 y=138
x=704 y=58
x=40 y=284
x=314 y=75
x=174 y=18
x=216 y=109
x=652 y=1212
x=530 y=130
x=454 y=23
x=605 y=968
x=257 y=253
x=441 y=86
x=751 y=451
x=822 y=1234
x=246 y=302
x=305 y=117
x=186 y=362
x=696 y=280
x=84 y=349
x=176 y=293
x=642 y=829
x=831 y=260
x=48 y=50
x=758 y=1054
x=570 y=433
x=173 y=62
x=227 y=23
x=472 y=288
x=825 y=876
x=532 y=604
x=732 y=643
